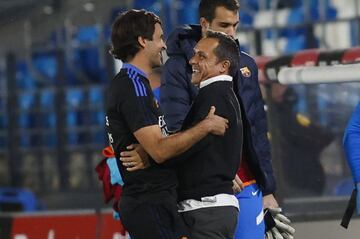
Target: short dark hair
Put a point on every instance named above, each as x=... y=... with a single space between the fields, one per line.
x=227 y=49
x=126 y=29
x=207 y=7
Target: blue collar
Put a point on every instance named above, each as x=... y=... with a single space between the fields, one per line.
x=134 y=68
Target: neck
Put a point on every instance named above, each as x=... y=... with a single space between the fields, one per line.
x=141 y=62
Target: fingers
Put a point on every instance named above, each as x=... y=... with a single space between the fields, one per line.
x=129 y=164
x=236 y=187
x=284 y=227
x=276 y=233
x=219 y=125
x=130 y=147
x=134 y=168
x=127 y=154
x=283 y=218
x=269 y=235
x=212 y=111
x=275 y=210
x=133 y=165
x=239 y=182
x=130 y=161
x=222 y=120
x=287 y=236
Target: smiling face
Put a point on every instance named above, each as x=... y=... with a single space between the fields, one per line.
x=204 y=63
x=225 y=21
x=153 y=48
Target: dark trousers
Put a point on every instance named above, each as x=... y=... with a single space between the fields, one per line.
x=212 y=222
x=155 y=219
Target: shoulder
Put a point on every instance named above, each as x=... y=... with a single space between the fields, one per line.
x=248 y=67
x=175 y=62
x=219 y=95
x=216 y=92
x=120 y=79
x=247 y=60
x=124 y=85
x=175 y=67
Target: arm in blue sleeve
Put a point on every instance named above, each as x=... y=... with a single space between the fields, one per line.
x=352 y=150
x=352 y=144
x=250 y=93
x=176 y=92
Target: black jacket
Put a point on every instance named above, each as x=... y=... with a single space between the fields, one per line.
x=177 y=94
x=208 y=168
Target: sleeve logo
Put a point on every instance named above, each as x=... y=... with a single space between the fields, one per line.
x=245 y=71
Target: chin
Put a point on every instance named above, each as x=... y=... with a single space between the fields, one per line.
x=156 y=64
x=195 y=82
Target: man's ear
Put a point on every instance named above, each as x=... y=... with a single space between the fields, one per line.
x=204 y=24
x=225 y=66
x=142 y=41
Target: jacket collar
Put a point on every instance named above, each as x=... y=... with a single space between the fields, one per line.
x=215 y=79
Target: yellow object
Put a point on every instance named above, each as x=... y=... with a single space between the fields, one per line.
x=303 y=120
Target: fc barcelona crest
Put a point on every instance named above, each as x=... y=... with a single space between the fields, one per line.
x=245 y=71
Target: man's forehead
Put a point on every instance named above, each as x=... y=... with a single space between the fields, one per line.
x=205 y=44
x=224 y=15
x=158 y=28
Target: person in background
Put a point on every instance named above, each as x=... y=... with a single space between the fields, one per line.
x=301 y=142
x=177 y=94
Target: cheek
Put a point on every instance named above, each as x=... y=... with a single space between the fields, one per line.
x=204 y=64
x=220 y=29
x=203 y=67
x=207 y=66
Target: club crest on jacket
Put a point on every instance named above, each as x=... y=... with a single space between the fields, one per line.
x=245 y=71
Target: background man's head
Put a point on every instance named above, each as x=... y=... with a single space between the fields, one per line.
x=134 y=31
x=215 y=54
x=219 y=15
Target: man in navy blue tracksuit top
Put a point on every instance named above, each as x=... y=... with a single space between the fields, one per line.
x=177 y=94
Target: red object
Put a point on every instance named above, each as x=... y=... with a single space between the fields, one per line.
x=109 y=191
x=108 y=152
x=110 y=227
x=351 y=55
x=55 y=226
x=260 y=62
x=59 y=225
x=244 y=172
x=306 y=58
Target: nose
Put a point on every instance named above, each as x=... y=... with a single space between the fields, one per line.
x=163 y=45
x=232 y=31
x=192 y=60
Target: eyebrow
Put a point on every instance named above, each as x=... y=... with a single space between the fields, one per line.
x=200 y=53
x=229 y=23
